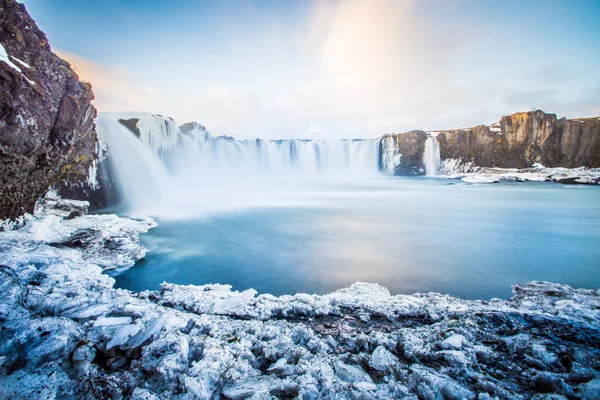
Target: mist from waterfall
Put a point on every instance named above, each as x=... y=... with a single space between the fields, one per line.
x=431 y=155
x=172 y=171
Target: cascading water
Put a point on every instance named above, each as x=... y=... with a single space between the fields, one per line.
x=141 y=175
x=431 y=155
x=219 y=172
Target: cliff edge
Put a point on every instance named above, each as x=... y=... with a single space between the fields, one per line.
x=46 y=118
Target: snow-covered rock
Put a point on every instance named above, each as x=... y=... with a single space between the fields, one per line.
x=454 y=169
x=66 y=333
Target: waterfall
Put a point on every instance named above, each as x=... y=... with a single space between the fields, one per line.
x=431 y=155
x=170 y=166
x=142 y=177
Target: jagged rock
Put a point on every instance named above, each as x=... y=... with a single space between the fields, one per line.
x=46 y=118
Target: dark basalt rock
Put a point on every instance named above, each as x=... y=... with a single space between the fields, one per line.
x=46 y=119
x=190 y=126
x=103 y=195
x=131 y=124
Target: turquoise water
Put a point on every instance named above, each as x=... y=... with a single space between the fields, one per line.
x=407 y=234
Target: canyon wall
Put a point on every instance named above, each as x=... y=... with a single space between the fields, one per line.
x=46 y=119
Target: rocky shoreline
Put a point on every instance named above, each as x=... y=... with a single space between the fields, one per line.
x=67 y=333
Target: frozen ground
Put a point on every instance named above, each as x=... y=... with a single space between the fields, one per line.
x=66 y=333
x=455 y=169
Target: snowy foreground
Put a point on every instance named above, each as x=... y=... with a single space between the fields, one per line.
x=455 y=169
x=66 y=333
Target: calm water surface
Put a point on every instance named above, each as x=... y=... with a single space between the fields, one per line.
x=407 y=234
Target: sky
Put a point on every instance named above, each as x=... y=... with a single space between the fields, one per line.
x=331 y=69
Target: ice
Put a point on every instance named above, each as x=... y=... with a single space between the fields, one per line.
x=456 y=169
x=455 y=341
x=382 y=359
x=112 y=321
x=67 y=333
x=481 y=179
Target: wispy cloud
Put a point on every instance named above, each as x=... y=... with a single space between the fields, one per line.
x=113 y=85
x=351 y=68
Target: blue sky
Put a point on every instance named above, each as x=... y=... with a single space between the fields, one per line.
x=331 y=69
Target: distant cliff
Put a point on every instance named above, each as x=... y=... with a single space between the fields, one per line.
x=46 y=118
x=521 y=139
x=517 y=141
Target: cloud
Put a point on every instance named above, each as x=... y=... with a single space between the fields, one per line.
x=113 y=86
x=349 y=68
x=382 y=65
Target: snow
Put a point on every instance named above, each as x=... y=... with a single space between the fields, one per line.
x=23 y=63
x=457 y=169
x=455 y=341
x=4 y=58
x=105 y=321
x=67 y=333
x=480 y=178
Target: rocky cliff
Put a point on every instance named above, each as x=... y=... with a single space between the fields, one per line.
x=521 y=139
x=402 y=154
x=517 y=141
x=46 y=118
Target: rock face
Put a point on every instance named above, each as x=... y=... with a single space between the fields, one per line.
x=521 y=139
x=517 y=141
x=402 y=154
x=46 y=119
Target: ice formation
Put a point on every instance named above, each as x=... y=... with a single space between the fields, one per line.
x=67 y=333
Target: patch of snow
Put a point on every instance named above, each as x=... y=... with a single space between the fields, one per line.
x=455 y=169
x=480 y=178
x=455 y=341
x=5 y=58
x=23 y=63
